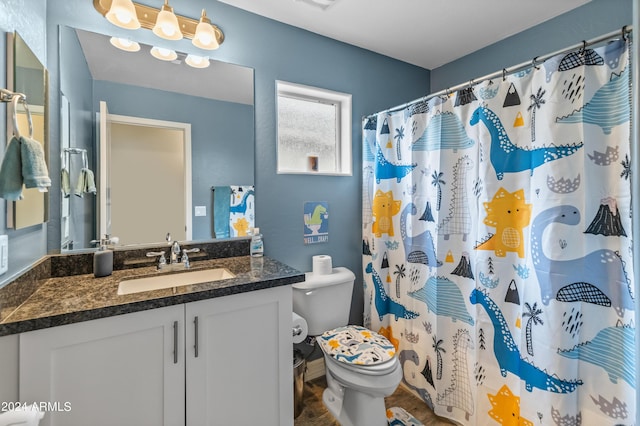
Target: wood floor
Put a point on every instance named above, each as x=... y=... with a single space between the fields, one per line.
x=315 y=414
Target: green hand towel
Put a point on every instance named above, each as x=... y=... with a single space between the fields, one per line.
x=89 y=182
x=65 y=182
x=34 y=166
x=82 y=178
x=11 y=172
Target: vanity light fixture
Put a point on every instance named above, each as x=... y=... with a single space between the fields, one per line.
x=163 y=54
x=205 y=36
x=196 y=61
x=123 y=14
x=143 y=16
x=125 y=44
x=167 y=26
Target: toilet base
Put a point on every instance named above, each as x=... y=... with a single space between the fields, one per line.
x=355 y=408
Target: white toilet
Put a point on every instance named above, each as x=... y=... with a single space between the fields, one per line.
x=361 y=365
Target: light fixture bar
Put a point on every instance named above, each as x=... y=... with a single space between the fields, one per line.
x=148 y=15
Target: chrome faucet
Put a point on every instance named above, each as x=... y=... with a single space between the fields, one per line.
x=176 y=261
x=175 y=252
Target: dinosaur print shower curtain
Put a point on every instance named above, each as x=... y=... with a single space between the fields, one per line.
x=497 y=244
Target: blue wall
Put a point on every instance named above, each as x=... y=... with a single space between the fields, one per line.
x=592 y=20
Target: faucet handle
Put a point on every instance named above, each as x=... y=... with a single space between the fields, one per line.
x=185 y=258
x=162 y=261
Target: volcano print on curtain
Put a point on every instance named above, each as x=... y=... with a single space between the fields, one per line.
x=497 y=244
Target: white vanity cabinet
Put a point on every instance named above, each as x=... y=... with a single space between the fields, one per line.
x=113 y=371
x=218 y=361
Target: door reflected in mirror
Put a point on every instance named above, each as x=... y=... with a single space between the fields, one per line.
x=215 y=102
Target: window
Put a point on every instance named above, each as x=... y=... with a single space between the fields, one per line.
x=314 y=130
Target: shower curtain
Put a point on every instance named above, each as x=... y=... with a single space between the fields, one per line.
x=497 y=244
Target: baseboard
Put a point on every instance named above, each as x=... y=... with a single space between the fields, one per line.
x=315 y=369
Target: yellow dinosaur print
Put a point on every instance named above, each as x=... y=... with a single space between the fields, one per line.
x=384 y=207
x=241 y=226
x=509 y=214
x=506 y=408
x=388 y=333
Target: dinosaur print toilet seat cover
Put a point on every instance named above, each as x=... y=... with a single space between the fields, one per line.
x=354 y=344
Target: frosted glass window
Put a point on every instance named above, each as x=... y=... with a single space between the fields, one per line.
x=312 y=135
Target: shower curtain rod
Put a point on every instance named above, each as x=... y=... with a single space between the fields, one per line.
x=538 y=60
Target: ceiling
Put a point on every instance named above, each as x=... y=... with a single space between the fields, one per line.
x=427 y=33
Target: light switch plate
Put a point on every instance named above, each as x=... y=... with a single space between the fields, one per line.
x=200 y=210
x=4 y=254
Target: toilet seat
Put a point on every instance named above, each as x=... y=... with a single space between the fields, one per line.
x=355 y=345
x=378 y=369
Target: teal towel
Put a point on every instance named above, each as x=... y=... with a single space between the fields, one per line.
x=221 y=211
x=34 y=167
x=11 y=172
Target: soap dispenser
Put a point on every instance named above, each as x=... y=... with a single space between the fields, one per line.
x=257 y=246
x=103 y=257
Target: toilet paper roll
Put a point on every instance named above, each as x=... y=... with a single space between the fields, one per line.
x=322 y=265
x=300 y=328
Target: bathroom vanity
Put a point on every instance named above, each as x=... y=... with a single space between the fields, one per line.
x=208 y=353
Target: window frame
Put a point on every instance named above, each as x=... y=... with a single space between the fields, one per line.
x=343 y=137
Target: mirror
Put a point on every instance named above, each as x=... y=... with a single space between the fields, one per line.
x=215 y=103
x=25 y=74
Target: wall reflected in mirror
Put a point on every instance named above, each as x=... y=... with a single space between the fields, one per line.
x=216 y=102
x=27 y=75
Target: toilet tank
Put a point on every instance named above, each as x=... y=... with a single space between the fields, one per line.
x=324 y=301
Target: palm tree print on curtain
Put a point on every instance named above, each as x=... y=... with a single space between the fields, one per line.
x=541 y=280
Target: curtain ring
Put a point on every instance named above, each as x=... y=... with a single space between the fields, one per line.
x=583 y=48
x=534 y=63
x=471 y=83
x=504 y=74
x=624 y=33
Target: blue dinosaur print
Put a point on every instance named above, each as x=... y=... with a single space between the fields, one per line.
x=443 y=297
x=384 y=304
x=508 y=355
x=444 y=131
x=618 y=363
x=418 y=248
x=242 y=206
x=509 y=158
x=386 y=170
x=608 y=107
x=598 y=277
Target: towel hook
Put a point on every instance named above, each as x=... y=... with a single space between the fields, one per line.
x=19 y=97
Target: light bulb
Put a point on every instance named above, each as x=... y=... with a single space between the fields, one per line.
x=167 y=26
x=163 y=54
x=123 y=14
x=125 y=44
x=205 y=36
x=196 y=61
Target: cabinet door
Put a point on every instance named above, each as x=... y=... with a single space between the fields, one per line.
x=242 y=373
x=119 y=370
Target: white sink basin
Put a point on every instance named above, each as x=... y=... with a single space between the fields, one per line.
x=157 y=282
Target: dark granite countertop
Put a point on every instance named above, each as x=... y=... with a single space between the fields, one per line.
x=63 y=300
